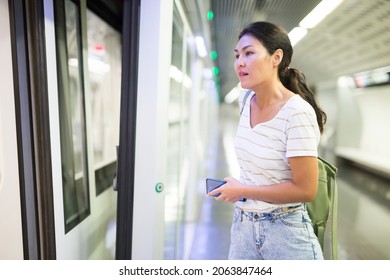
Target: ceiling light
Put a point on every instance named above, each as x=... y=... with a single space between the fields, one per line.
x=323 y=9
x=297 y=34
x=200 y=46
x=233 y=94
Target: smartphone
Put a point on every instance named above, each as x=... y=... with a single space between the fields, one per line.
x=212 y=184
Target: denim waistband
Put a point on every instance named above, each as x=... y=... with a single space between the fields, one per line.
x=273 y=213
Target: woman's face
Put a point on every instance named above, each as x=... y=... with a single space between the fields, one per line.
x=254 y=66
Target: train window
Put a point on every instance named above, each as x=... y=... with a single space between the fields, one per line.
x=72 y=115
x=104 y=68
x=89 y=86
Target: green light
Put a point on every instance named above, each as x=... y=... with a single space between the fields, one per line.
x=215 y=71
x=210 y=15
x=213 y=55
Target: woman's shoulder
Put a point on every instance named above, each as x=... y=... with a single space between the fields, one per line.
x=297 y=104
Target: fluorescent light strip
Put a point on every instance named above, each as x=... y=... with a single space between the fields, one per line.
x=323 y=9
x=200 y=46
x=297 y=34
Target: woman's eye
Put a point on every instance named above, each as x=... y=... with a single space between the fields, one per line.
x=237 y=56
x=248 y=53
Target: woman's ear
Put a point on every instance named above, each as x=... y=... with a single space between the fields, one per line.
x=277 y=57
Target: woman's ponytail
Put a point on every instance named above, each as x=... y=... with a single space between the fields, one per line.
x=294 y=80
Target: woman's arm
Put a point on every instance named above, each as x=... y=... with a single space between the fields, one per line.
x=302 y=187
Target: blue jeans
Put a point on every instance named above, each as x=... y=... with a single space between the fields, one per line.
x=282 y=234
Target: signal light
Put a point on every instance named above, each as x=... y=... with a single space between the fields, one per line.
x=210 y=15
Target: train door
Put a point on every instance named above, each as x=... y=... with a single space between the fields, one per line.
x=141 y=176
x=84 y=78
x=160 y=133
x=59 y=128
x=153 y=228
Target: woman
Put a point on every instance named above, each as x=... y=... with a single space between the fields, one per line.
x=276 y=146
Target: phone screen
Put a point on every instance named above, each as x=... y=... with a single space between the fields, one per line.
x=212 y=184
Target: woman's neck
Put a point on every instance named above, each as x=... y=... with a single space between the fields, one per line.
x=271 y=94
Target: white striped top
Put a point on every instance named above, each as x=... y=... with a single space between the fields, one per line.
x=263 y=151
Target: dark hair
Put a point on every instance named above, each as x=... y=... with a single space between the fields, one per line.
x=274 y=37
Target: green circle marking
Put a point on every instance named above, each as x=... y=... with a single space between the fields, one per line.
x=159 y=187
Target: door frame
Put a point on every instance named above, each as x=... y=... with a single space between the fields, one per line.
x=127 y=137
x=33 y=128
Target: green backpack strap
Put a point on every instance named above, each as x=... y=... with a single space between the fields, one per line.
x=331 y=172
x=244 y=100
x=335 y=254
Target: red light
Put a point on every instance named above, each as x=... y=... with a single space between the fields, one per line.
x=99 y=47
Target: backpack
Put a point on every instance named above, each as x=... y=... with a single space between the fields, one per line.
x=325 y=203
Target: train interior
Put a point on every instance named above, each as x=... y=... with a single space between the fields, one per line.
x=114 y=113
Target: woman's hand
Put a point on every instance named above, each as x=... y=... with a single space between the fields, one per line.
x=231 y=191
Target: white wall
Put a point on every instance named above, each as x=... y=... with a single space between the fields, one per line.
x=11 y=242
x=358 y=125
x=327 y=98
x=364 y=128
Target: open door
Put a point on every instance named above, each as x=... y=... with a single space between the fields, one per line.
x=147 y=33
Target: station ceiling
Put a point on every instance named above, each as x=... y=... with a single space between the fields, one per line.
x=354 y=38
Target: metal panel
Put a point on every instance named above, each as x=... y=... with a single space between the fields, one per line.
x=126 y=157
x=31 y=98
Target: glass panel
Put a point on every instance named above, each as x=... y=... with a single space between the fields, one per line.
x=173 y=149
x=72 y=125
x=73 y=43
x=104 y=65
x=178 y=136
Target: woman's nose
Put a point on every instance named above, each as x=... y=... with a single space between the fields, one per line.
x=240 y=61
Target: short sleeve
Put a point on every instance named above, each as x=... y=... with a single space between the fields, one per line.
x=303 y=133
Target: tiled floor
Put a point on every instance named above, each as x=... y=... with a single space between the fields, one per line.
x=363 y=215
